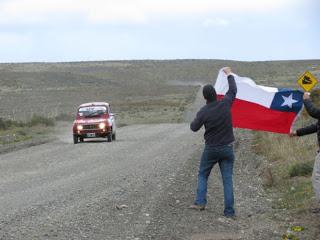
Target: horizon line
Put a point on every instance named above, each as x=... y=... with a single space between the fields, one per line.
x=164 y=59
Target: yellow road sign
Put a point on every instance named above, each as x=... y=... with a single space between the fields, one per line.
x=307 y=81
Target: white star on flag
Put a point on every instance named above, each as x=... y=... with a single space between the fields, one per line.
x=288 y=101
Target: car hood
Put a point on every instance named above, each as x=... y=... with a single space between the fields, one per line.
x=89 y=120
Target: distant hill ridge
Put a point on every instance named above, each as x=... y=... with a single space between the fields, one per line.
x=51 y=89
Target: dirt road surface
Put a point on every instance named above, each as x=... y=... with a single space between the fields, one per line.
x=138 y=187
x=66 y=191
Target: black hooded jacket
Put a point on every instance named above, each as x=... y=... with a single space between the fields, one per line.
x=216 y=118
x=313 y=128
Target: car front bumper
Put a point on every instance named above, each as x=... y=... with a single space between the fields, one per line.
x=93 y=133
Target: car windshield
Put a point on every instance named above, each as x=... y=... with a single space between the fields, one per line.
x=92 y=111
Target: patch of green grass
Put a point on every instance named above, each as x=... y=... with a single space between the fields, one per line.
x=39 y=120
x=21 y=138
x=13 y=135
x=22 y=132
x=4 y=124
x=8 y=123
x=14 y=131
x=301 y=169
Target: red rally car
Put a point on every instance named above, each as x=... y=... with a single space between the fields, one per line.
x=94 y=120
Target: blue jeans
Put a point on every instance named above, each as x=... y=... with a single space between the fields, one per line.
x=225 y=157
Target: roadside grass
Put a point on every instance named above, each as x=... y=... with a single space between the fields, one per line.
x=301 y=169
x=296 y=193
x=290 y=161
x=18 y=131
x=37 y=120
x=13 y=135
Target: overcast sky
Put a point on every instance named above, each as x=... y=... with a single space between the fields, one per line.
x=82 y=30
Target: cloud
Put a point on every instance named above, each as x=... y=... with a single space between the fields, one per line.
x=215 y=22
x=128 y=11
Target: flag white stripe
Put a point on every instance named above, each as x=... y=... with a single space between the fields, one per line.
x=248 y=90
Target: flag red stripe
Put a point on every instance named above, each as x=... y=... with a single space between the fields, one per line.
x=256 y=117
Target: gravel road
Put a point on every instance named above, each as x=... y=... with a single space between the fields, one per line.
x=60 y=190
x=138 y=187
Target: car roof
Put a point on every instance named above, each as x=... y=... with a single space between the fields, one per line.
x=94 y=104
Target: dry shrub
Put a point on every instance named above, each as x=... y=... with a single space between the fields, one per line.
x=301 y=169
x=282 y=151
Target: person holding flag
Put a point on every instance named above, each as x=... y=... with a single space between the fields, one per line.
x=238 y=102
x=215 y=116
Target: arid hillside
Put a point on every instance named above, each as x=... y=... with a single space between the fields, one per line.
x=139 y=91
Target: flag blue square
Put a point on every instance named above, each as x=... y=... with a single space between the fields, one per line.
x=287 y=100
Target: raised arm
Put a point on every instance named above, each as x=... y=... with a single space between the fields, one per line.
x=232 y=91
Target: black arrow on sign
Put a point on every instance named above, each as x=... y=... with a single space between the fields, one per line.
x=306 y=80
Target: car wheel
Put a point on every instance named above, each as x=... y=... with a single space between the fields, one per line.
x=81 y=139
x=109 y=137
x=114 y=136
x=75 y=139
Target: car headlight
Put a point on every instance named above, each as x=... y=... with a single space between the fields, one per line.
x=79 y=127
x=102 y=125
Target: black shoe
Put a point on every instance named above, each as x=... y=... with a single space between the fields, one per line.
x=233 y=217
x=197 y=207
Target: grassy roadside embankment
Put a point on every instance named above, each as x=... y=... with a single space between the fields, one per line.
x=290 y=162
x=13 y=132
x=288 y=169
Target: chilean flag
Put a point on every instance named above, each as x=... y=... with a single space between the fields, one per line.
x=261 y=108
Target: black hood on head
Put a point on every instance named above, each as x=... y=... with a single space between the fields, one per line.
x=209 y=93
